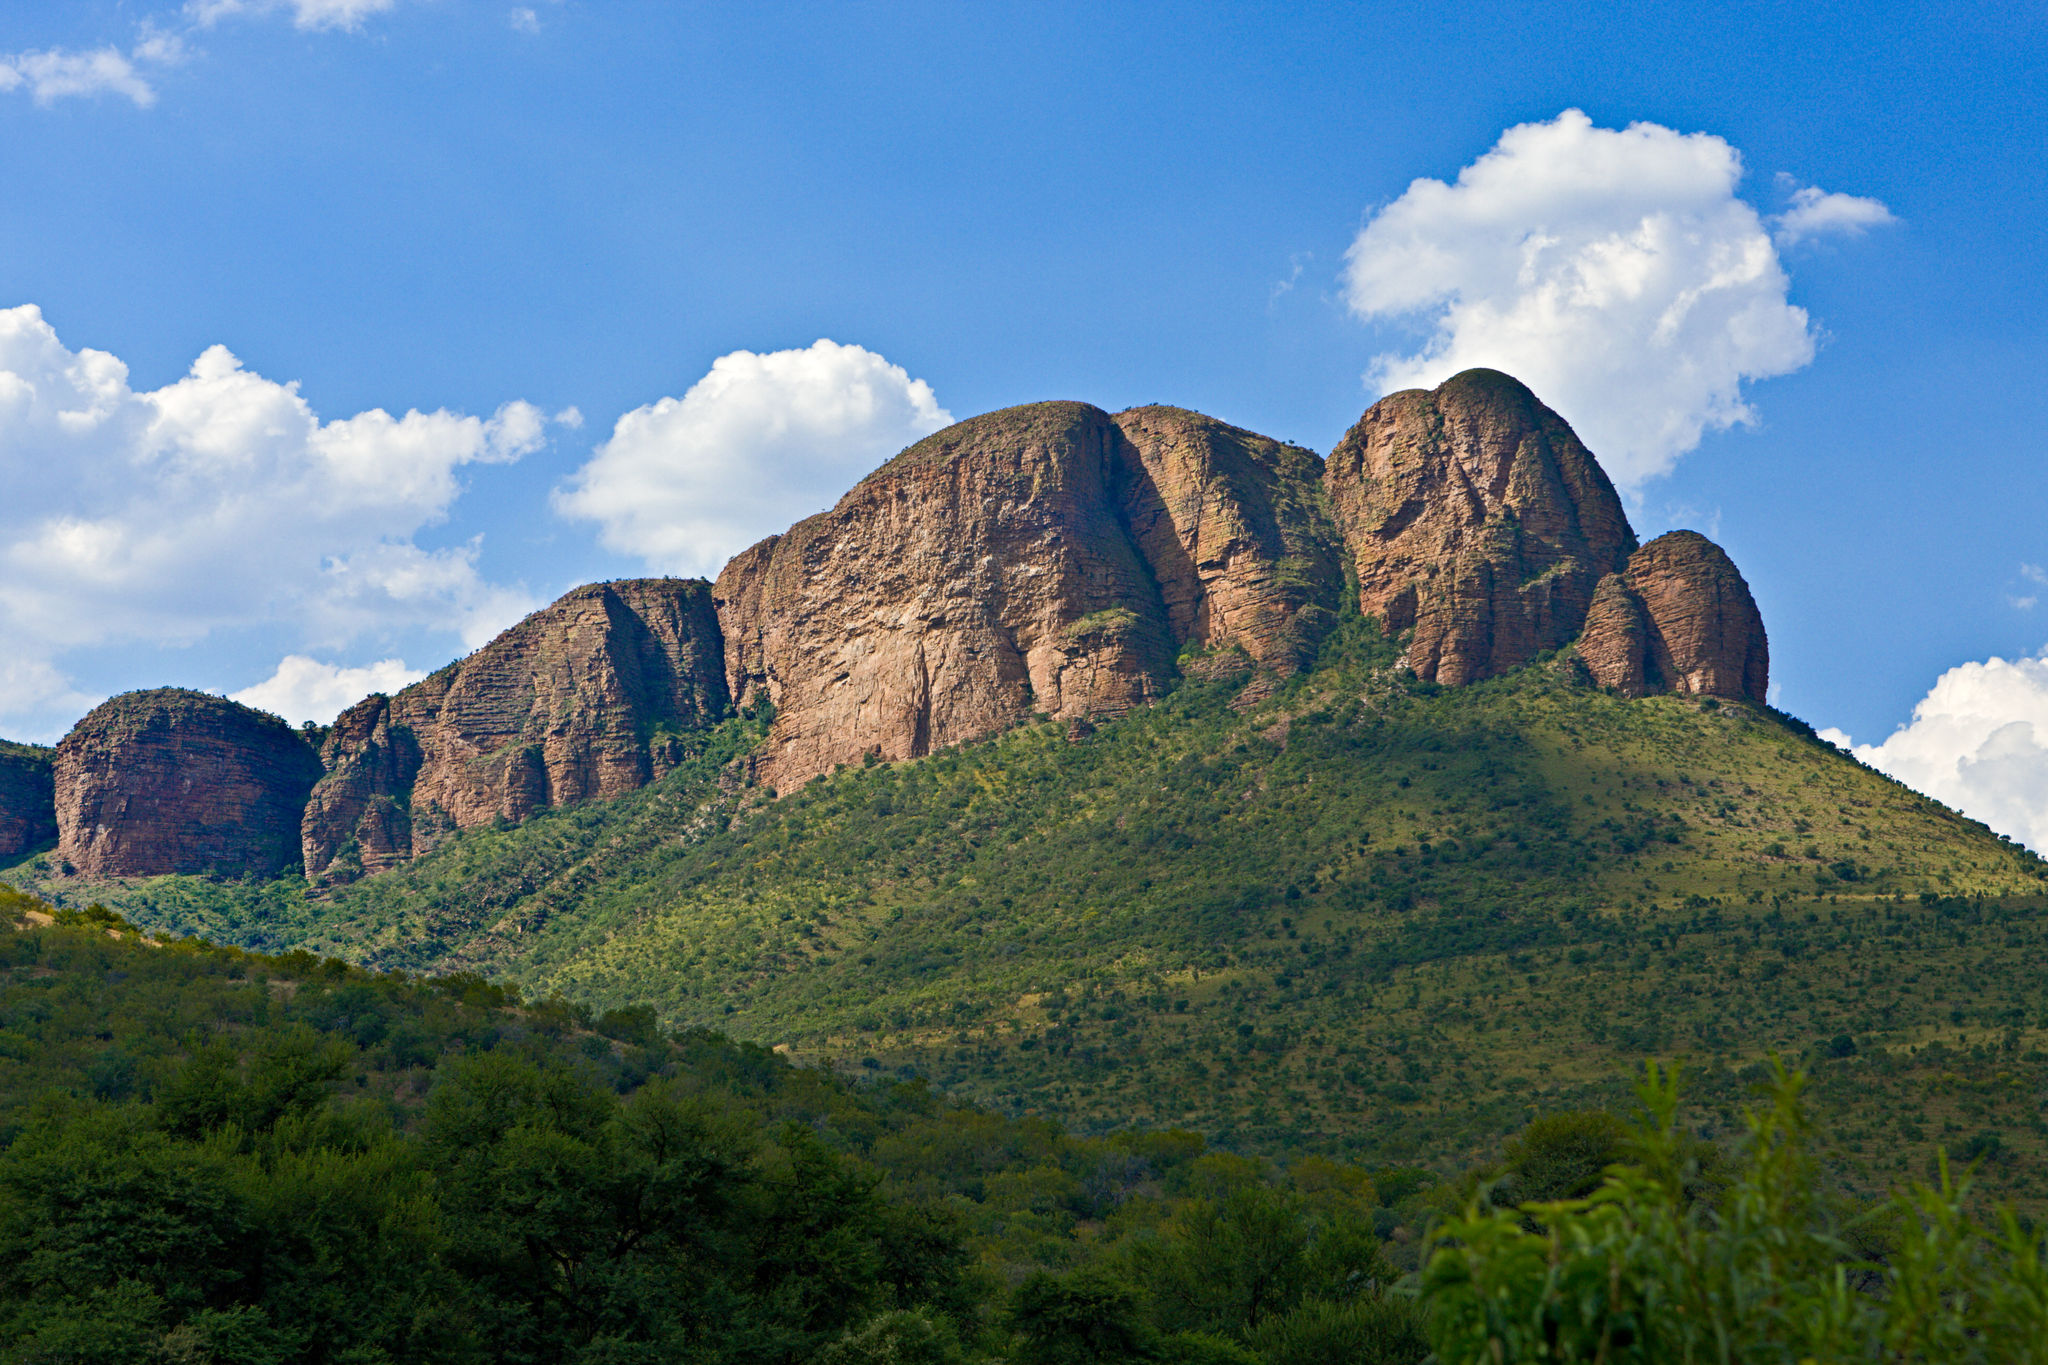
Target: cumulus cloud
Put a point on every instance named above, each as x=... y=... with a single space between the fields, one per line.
x=1615 y=272
x=760 y=441
x=1978 y=741
x=1814 y=214
x=304 y=688
x=223 y=501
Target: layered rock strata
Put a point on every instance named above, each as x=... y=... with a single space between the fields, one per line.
x=176 y=781
x=1679 y=618
x=583 y=699
x=28 y=800
x=1475 y=518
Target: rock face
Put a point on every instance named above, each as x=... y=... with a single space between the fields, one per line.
x=978 y=577
x=176 y=781
x=28 y=802
x=1616 y=642
x=1475 y=517
x=1680 y=619
x=583 y=699
x=1234 y=529
x=1047 y=559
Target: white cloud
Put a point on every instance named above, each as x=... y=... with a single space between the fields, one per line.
x=54 y=75
x=760 y=441
x=1978 y=741
x=222 y=501
x=1615 y=272
x=306 y=14
x=524 y=20
x=304 y=689
x=1814 y=214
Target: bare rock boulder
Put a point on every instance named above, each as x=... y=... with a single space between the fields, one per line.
x=583 y=699
x=173 y=781
x=1615 y=645
x=28 y=799
x=1476 y=518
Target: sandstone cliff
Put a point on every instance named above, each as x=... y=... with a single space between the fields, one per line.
x=176 y=781
x=582 y=699
x=978 y=577
x=1679 y=618
x=28 y=803
x=1476 y=518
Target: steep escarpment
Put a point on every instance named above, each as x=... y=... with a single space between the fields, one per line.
x=1476 y=519
x=583 y=699
x=177 y=781
x=1679 y=618
x=28 y=804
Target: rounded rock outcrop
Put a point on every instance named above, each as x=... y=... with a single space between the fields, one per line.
x=175 y=781
x=1476 y=518
x=583 y=699
x=1233 y=527
x=981 y=576
x=1707 y=637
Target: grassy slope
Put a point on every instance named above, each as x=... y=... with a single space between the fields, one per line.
x=1367 y=915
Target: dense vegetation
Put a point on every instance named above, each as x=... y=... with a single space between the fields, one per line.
x=1362 y=915
x=211 y=1155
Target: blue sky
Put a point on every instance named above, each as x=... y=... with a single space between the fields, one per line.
x=575 y=209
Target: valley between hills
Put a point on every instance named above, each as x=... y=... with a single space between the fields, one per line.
x=1140 y=772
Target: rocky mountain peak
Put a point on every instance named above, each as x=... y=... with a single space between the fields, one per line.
x=28 y=801
x=1050 y=559
x=1477 y=519
x=582 y=699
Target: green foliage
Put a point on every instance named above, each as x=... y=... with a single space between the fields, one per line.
x=899 y=1337
x=1080 y=1318
x=1639 y=1272
x=302 y=1161
x=1562 y=1156
x=1370 y=1329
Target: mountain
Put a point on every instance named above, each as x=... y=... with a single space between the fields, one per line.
x=1052 y=559
x=1134 y=768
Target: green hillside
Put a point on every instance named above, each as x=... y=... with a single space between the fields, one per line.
x=1364 y=914
x=207 y=1154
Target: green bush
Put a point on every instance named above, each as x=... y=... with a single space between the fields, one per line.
x=1638 y=1273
